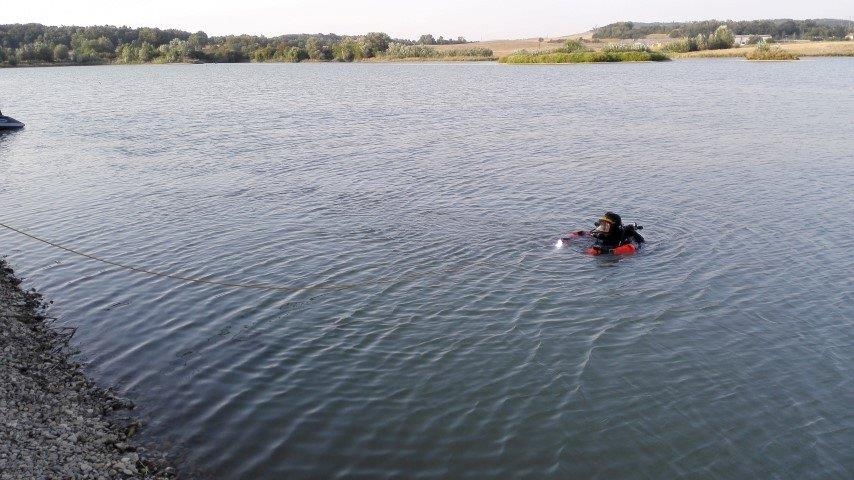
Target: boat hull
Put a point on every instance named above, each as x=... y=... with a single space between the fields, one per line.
x=9 y=123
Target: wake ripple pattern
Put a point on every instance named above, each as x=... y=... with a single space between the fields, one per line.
x=464 y=345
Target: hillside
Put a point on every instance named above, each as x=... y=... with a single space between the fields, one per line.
x=819 y=31
x=502 y=48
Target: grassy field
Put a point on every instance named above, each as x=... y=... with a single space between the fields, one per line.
x=800 y=49
x=501 y=48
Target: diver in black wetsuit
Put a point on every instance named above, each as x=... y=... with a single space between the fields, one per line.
x=610 y=233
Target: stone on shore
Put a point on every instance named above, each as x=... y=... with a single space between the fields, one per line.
x=55 y=422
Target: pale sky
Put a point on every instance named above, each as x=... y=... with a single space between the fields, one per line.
x=473 y=19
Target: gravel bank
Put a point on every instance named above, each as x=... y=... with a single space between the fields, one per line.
x=55 y=423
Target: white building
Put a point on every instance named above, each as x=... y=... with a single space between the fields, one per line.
x=743 y=39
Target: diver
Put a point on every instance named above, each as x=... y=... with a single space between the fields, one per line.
x=610 y=233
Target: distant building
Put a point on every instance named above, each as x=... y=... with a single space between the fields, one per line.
x=744 y=39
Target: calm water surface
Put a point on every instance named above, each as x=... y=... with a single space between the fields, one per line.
x=430 y=328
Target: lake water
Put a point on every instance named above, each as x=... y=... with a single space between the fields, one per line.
x=426 y=326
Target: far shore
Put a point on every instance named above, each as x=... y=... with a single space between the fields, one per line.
x=503 y=48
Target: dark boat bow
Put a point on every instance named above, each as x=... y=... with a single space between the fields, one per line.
x=9 y=123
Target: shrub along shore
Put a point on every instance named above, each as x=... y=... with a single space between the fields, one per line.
x=56 y=423
x=583 y=57
x=767 y=52
x=575 y=51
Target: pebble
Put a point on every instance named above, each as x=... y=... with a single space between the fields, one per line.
x=53 y=425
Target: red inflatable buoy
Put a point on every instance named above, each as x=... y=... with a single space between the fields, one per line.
x=626 y=249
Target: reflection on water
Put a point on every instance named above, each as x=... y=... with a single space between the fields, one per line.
x=433 y=329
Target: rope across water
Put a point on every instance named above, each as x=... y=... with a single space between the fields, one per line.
x=257 y=286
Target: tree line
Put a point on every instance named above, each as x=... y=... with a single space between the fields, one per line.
x=781 y=29
x=35 y=44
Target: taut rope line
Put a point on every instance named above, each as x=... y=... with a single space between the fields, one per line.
x=257 y=286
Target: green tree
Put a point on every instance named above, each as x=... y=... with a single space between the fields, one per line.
x=348 y=50
x=290 y=54
x=573 y=45
x=722 y=38
x=198 y=40
x=35 y=52
x=399 y=50
x=263 y=54
x=60 y=53
x=312 y=48
x=181 y=48
x=127 y=53
x=103 y=45
x=299 y=54
x=147 y=35
x=375 y=43
x=146 y=52
x=327 y=53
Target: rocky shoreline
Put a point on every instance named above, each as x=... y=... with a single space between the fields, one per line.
x=56 y=424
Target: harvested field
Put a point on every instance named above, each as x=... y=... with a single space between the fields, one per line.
x=800 y=49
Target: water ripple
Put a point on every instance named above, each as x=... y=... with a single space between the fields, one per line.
x=433 y=330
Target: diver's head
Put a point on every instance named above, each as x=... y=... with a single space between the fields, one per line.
x=607 y=225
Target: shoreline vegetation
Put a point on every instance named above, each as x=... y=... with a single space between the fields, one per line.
x=39 y=45
x=763 y=51
x=575 y=51
x=56 y=422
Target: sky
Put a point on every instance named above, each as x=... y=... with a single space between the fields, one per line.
x=473 y=19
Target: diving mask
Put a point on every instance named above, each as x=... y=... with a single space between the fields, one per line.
x=602 y=226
